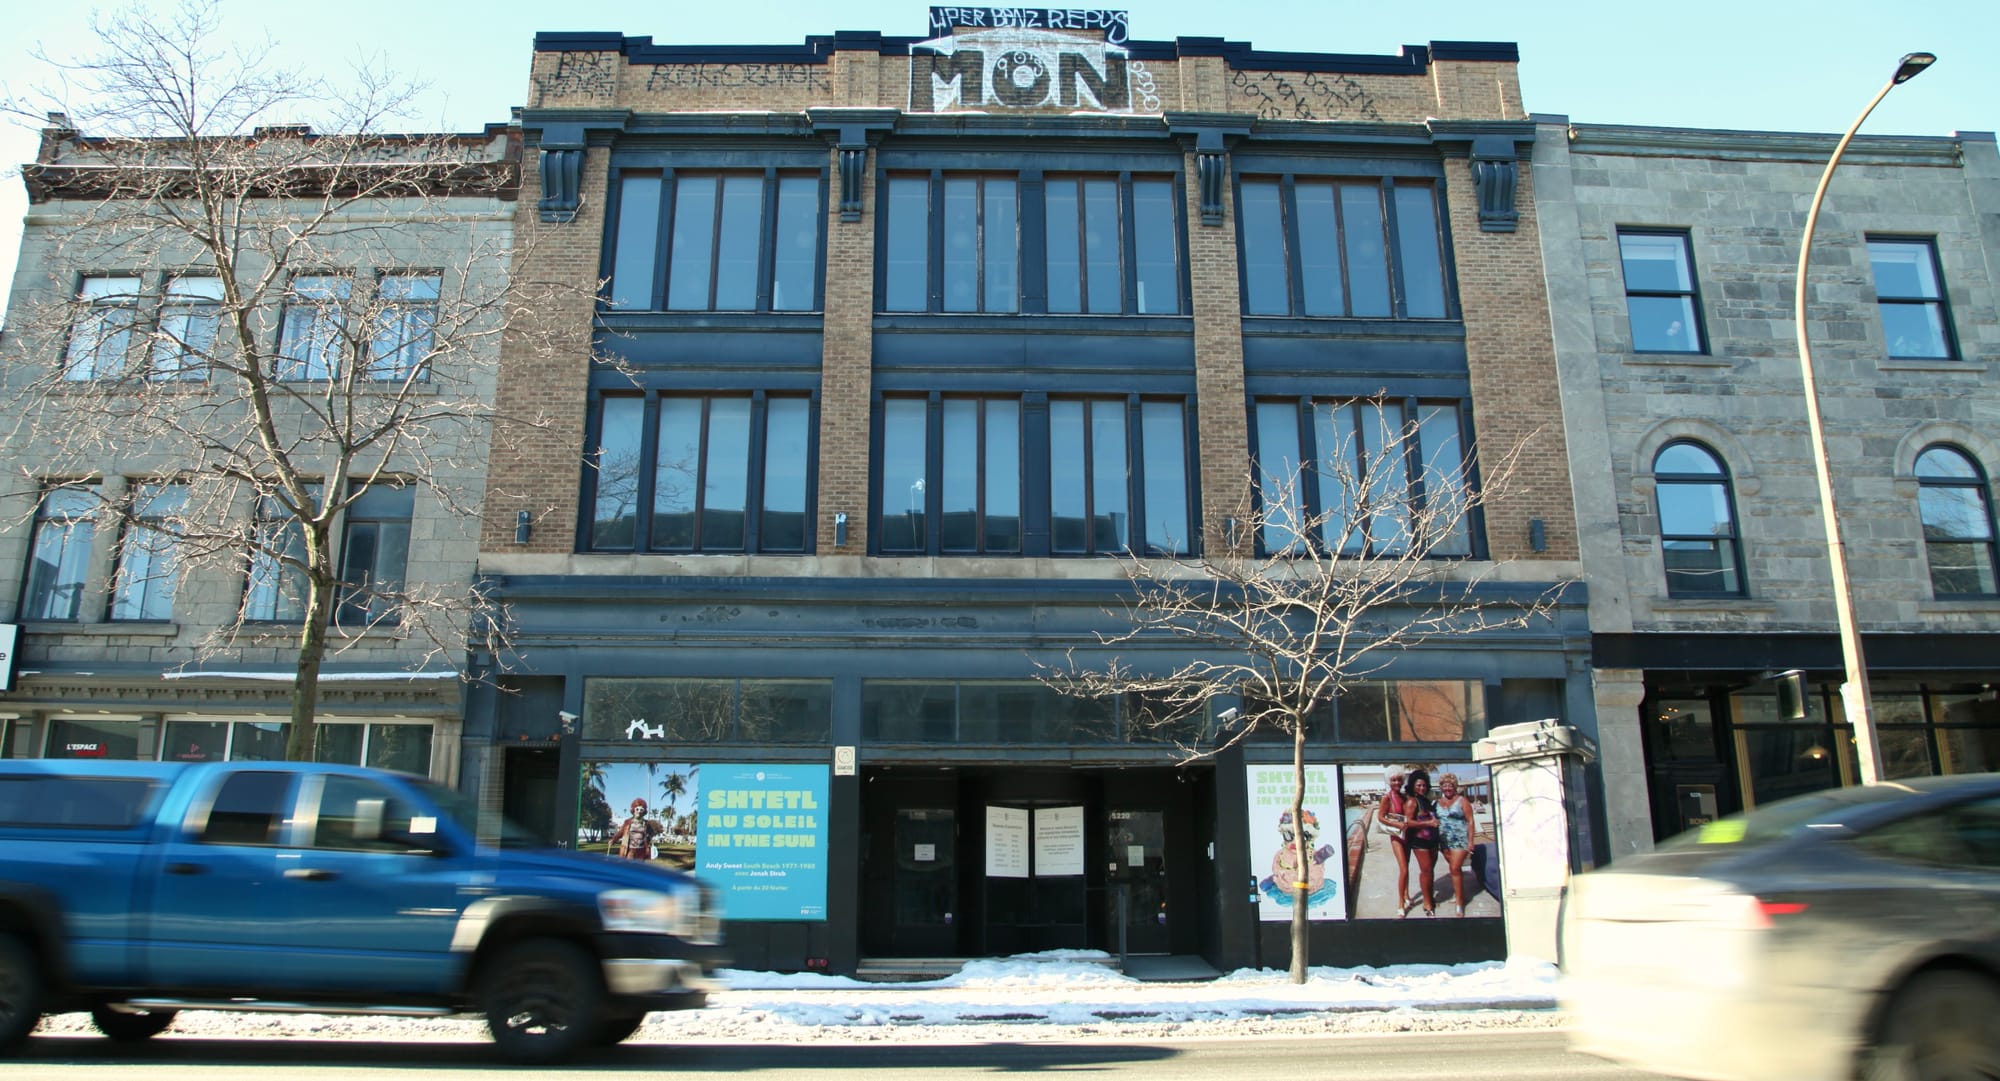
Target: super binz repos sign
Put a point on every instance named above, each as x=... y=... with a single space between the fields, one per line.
x=1003 y=59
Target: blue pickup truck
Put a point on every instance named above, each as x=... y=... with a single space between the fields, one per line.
x=137 y=889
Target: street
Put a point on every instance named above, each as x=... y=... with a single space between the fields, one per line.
x=1488 y=1056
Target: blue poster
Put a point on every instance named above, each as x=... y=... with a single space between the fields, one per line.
x=763 y=839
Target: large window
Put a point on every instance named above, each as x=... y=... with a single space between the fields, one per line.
x=374 y=553
x=970 y=261
x=1364 y=248
x=1697 y=523
x=701 y=473
x=1106 y=473
x=100 y=332
x=1393 y=711
x=1112 y=248
x=405 y=326
x=708 y=710
x=732 y=241
x=975 y=502
x=1660 y=297
x=59 y=561
x=312 y=337
x=1958 y=523
x=190 y=318
x=147 y=570
x=1363 y=477
x=275 y=590
x=1909 y=294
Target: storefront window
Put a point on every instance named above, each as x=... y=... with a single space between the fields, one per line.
x=708 y=710
x=259 y=741
x=897 y=712
x=1785 y=762
x=195 y=741
x=1683 y=730
x=339 y=743
x=70 y=738
x=786 y=710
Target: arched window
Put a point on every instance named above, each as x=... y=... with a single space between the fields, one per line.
x=1958 y=522
x=1697 y=523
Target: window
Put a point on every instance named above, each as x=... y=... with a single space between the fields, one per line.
x=404 y=748
x=976 y=504
x=1965 y=835
x=1910 y=298
x=1958 y=523
x=1363 y=477
x=190 y=317
x=251 y=809
x=1660 y=297
x=59 y=561
x=405 y=327
x=1088 y=247
x=276 y=587
x=1697 y=523
x=313 y=335
x=100 y=333
x=706 y=473
x=374 y=553
x=708 y=710
x=1362 y=248
x=734 y=241
x=147 y=571
x=976 y=249
x=1098 y=485
x=1393 y=711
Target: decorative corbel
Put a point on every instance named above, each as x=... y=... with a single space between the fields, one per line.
x=562 y=171
x=1211 y=166
x=853 y=168
x=1496 y=173
x=852 y=132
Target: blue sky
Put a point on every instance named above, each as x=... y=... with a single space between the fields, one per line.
x=1784 y=65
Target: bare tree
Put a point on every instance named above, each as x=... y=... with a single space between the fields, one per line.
x=274 y=314
x=1339 y=564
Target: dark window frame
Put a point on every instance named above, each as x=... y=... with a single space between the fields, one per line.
x=1691 y=295
x=1976 y=483
x=152 y=502
x=374 y=604
x=1287 y=180
x=771 y=177
x=1720 y=478
x=330 y=312
x=1139 y=518
x=1941 y=303
x=109 y=316
x=79 y=525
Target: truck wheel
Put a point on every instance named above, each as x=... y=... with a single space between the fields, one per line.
x=614 y=1029
x=20 y=992
x=1939 y=1027
x=542 y=999
x=131 y=1025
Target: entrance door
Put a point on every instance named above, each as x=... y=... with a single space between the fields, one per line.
x=926 y=882
x=1136 y=842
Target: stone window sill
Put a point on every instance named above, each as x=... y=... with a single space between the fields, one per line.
x=102 y=630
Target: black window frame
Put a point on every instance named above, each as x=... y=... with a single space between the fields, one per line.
x=1287 y=179
x=756 y=470
x=78 y=525
x=1941 y=303
x=378 y=509
x=1691 y=295
x=1977 y=483
x=770 y=176
x=1138 y=517
x=1720 y=478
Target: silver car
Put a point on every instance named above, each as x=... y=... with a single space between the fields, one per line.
x=1849 y=933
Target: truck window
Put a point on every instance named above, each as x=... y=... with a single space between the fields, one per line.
x=362 y=815
x=251 y=809
x=78 y=802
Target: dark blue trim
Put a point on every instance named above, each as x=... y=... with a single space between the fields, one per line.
x=940 y=347
x=755 y=343
x=1316 y=354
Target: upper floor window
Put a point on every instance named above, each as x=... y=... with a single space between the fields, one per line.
x=147 y=570
x=972 y=504
x=1112 y=248
x=733 y=241
x=59 y=557
x=1698 y=538
x=190 y=319
x=1957 y=516
x=405 y=326
x=100 y=332
x=312 y=336
x=1908 y=293
x=1107 y=472
x=374 y=554
x=953 y=244
x=1364 y=248
x=1660 y=298
x=1364 y=477
x=275 y=589
x=701 y=473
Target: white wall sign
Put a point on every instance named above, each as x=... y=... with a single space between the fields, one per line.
x=843 y=761
x=1058 y=841
x=1006 y=842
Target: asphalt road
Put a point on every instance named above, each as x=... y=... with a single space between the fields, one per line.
x=1474 y=1056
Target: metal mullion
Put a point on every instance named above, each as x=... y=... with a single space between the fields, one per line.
x=753 y=468
x=1089 y=473
x=979 y=245
x=1399 y=307
x=934 y=242
x=1135 y=473
x=1340 y=253
x=1308 y=493
x=663 y=248
x=701 y=464
x=649 y=464
x=933 y=469
x=714 y=261
x=1288 y=211
x=1128 y=248
x=979 y=461
x=767 y=232
x=1413 y=454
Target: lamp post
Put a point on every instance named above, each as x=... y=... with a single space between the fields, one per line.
x=1854 y=691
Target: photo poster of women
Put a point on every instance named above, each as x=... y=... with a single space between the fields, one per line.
x=1273 y=855
x=1420 y=841
x=640 y=811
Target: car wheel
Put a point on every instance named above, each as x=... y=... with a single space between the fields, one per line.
x=131 y=1025
x=541 y=998
x=613 y=1030
x=20 y=992
x=1939 y=1027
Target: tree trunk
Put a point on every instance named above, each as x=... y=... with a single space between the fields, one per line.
x=301 y=742
x=1301 y=887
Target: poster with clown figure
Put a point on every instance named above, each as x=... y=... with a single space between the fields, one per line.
x=1273 y=854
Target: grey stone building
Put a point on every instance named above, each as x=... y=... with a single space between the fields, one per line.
x=1671 y=258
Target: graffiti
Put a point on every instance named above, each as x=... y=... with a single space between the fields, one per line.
x=1143 y=86
x=1018 y=69
x=586 y=74
x=1112 y=25
x=1316 y=97
x=732 y=76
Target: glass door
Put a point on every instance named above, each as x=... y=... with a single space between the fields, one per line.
x=1137 y=846
x=926 y=882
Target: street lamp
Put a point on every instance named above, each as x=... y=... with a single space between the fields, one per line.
x=1853 y=692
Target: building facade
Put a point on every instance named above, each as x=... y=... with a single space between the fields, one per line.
x=151 y=608
x=1672 y=257
x=904 y=346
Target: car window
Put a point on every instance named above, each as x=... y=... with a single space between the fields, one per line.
x=1774 y=821
x=364 y=815
x=252 y=808
x=1965 y=835
x=100 y=802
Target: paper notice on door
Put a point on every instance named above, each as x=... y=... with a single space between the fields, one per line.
x=924 y=854
x=1058 y=841
x=1006 y=842
x=1135 y=855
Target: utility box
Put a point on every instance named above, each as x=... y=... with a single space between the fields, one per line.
x=1542 y=804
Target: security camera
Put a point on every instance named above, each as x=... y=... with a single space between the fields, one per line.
x=565 y=716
